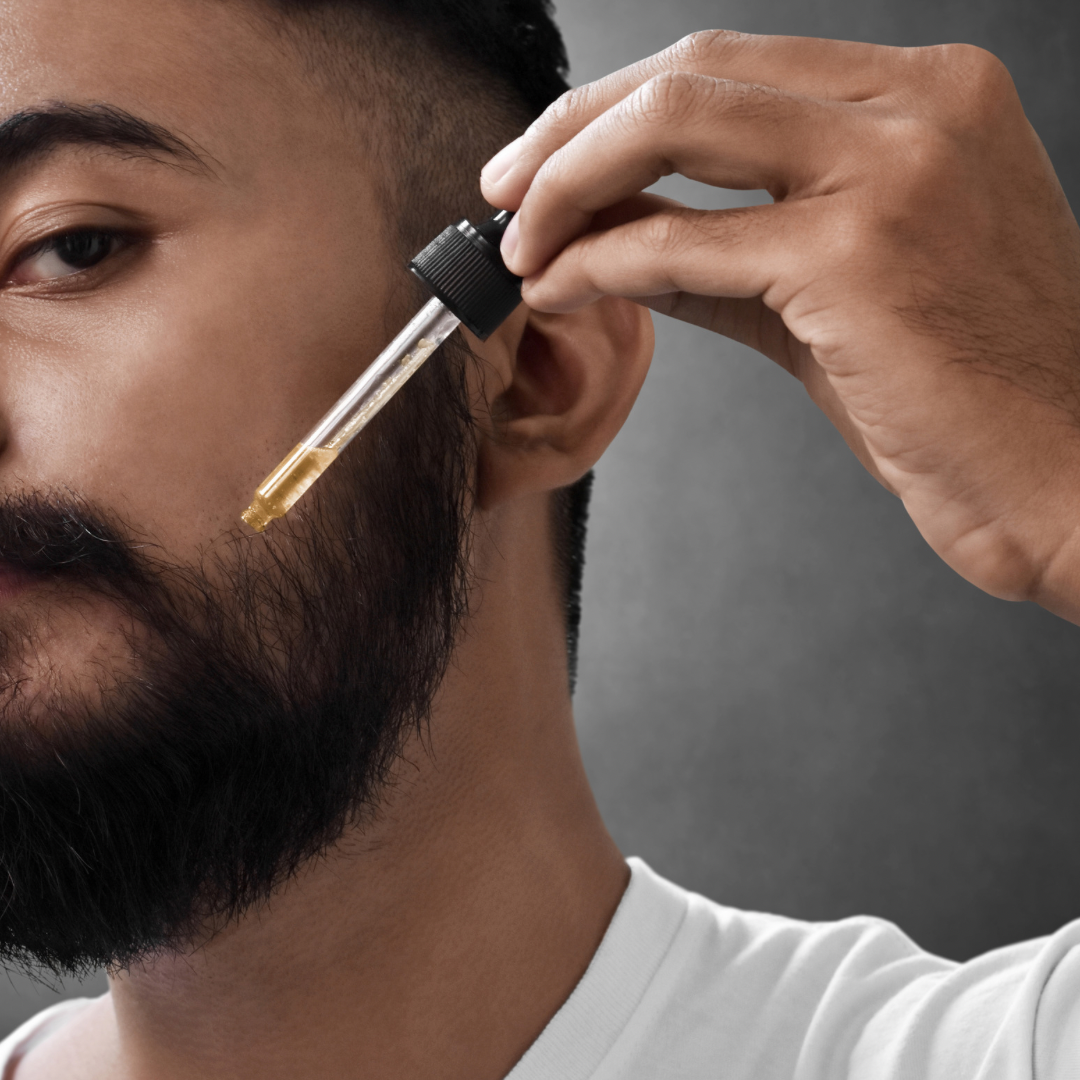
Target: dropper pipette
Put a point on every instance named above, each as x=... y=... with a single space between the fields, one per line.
x=463 y=268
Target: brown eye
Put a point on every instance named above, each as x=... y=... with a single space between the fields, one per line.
x=64 y=255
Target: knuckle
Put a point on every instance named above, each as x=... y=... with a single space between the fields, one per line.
x=748 y=101
x=978 y=65
x=702 y=48
x=922 y=147
x=964 y=100
x=977 y=85
x=569 y=109
x=664 y=98
x=915 y=161
x=662 y=235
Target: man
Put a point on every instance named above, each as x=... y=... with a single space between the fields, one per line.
x=314 y=797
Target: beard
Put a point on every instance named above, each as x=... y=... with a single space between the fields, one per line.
x=271 y=692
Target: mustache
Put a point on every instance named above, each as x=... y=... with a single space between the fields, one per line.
x=252 y=594
x=62 y=536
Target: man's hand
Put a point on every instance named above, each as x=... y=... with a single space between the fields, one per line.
x=919 y=270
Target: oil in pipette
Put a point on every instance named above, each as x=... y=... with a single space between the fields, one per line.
x=464 y=269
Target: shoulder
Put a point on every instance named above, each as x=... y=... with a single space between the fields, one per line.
x=857 y=999
x=35 y=1030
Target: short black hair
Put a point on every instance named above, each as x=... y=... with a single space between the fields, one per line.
x=513 y=41
x=440 y=85
x=456 y=80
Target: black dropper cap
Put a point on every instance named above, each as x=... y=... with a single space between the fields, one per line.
x=463 y=267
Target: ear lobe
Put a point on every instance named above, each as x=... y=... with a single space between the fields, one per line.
x=573 y=382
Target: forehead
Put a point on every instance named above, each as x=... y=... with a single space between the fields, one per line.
x=212 y=71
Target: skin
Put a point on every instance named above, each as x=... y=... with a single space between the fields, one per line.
x=164 y=386
x=919 y=270
x=440 y=941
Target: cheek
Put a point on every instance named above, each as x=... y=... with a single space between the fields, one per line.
x=169 y=403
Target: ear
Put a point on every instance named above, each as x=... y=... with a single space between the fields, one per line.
x=563 y=385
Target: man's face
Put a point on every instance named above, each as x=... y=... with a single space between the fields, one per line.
x=166 y=382
x=172 y=319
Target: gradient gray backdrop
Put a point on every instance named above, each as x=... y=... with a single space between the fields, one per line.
x=786 y=701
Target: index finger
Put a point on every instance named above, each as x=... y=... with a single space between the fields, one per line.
x=812 y=67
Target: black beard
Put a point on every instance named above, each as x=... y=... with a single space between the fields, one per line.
x=275 y=687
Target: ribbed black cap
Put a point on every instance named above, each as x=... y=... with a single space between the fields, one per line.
x=462 y=266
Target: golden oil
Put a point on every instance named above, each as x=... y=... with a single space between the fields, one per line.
x=277 y=493
x=352 y=412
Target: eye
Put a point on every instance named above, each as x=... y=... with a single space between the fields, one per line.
x=64 y=255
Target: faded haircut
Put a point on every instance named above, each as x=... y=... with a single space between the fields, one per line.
x=440 y=86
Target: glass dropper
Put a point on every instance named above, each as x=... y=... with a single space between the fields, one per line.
x=463 y=268
x=390 y=371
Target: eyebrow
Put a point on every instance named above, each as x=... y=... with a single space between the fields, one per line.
x=37 y=132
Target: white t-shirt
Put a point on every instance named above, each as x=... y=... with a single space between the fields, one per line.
x=685 y=989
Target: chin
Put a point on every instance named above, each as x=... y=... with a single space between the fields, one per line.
x=58 y=651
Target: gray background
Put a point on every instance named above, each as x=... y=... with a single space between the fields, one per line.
x=786 y=701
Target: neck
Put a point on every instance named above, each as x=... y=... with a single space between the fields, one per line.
x=437 y=940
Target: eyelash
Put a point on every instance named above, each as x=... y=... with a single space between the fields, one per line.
x=116 y=240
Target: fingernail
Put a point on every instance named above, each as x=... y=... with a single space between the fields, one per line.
x=509 y=241
x=501 y=163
